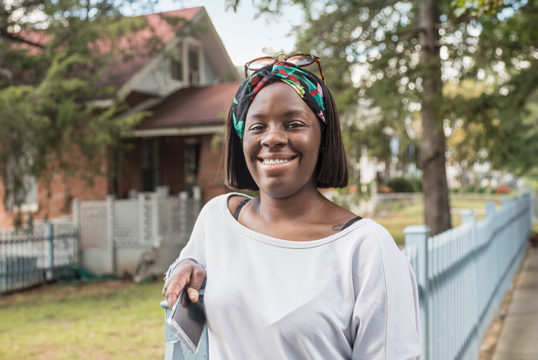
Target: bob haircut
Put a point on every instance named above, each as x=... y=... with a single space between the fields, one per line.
x=331 y=168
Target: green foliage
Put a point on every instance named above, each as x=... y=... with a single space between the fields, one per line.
x=371 y=51
x=402 y=184
x=52 y=63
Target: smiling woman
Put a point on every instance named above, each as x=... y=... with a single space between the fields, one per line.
x=288 y=273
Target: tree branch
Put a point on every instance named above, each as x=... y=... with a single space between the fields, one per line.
x=19 y=39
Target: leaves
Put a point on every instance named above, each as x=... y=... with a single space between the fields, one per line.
x=50 y=121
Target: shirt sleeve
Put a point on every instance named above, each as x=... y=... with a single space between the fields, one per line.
x=385 y=321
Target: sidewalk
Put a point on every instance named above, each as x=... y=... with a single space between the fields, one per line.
x=519 y=335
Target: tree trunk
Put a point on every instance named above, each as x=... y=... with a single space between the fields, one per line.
x=436 y=203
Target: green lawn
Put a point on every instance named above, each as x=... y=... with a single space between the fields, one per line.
x=109 y=320
x=398 y=215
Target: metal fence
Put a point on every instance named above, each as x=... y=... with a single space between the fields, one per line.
x=33 y=255
x=464 y=273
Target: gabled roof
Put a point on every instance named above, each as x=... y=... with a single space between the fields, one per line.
x=137 y=48
x=192 y=106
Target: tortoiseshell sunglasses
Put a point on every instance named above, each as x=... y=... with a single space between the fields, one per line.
x=300 y=60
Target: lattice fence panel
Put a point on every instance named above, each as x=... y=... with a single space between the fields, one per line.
x=126 y=222
x=93 y=224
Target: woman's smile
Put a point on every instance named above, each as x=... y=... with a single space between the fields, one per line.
x=274 y=161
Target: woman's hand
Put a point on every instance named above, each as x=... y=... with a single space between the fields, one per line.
x=186 y=273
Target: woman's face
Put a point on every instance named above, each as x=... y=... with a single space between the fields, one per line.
x=281 y=141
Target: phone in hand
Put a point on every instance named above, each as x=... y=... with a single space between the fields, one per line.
x=187 y=320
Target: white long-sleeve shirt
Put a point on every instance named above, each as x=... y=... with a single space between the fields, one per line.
x=351 y=295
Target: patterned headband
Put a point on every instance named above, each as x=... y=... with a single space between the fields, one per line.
x=292 y=75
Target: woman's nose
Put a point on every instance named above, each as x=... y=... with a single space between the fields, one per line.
x=274 y=136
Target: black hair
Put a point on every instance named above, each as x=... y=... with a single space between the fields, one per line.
x=331 y=169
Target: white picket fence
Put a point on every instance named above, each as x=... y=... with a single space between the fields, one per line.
x=464 y=273
x=115 y=232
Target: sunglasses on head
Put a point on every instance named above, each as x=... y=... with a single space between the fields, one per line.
x=300 y=60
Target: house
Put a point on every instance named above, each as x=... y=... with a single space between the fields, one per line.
x=186 y=81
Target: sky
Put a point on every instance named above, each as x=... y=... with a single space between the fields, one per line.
x=245 y=37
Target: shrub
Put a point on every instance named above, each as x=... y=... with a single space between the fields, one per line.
x=405 y=185
x=503 y=189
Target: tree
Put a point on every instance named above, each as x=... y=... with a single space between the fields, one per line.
x=506 y=63
x=400 y=55
x=54 y=56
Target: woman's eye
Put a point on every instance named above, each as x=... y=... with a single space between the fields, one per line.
x=256 y=127
x=295 y=125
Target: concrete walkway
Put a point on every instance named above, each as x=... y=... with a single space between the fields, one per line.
x=519 y=335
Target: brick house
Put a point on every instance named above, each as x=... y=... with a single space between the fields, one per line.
x=187 y=82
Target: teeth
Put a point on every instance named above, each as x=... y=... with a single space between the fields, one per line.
x=274 y=161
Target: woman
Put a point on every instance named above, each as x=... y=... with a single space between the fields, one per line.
x=291 y=275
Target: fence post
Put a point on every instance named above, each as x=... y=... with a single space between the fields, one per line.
x=417 y=236
x=76 y=220
x=155 y=216
x=111 y=247
x=467 y=216
x=141 y=203
x=490 y=208
x=197 y=196
x=183 y=196
x=50 y=244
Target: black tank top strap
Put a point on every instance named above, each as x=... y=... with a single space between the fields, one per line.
x=351 y=222
x=239 y=207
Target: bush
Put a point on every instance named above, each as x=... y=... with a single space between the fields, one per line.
x=405 y=185
x=503 y=189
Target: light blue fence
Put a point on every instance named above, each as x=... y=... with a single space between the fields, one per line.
x=31 y=257
x=464 y=273
x=462 y=276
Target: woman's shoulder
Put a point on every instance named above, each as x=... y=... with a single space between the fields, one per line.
x=374 y=241
x=229 y=200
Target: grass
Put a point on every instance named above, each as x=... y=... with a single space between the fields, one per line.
x=109 y=320
x=396 y=216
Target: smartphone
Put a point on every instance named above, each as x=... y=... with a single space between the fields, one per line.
x=187 y=320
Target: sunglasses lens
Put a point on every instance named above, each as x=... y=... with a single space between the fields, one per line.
x=301 y=59
x=257 y=64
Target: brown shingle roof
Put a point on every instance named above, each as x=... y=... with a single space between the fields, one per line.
x=193 y=106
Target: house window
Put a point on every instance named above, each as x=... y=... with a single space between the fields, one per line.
x=194 y=65
x=26 y=197
x=191 y=159
x=176 y=65
x=150 y=164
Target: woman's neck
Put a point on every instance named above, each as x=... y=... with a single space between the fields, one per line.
x=303 y=205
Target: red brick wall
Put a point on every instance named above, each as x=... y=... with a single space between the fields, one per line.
x=6 y=220
x=62 y=191
x=211 y=170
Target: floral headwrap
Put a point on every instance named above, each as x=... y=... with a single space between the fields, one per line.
x=306 y=85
